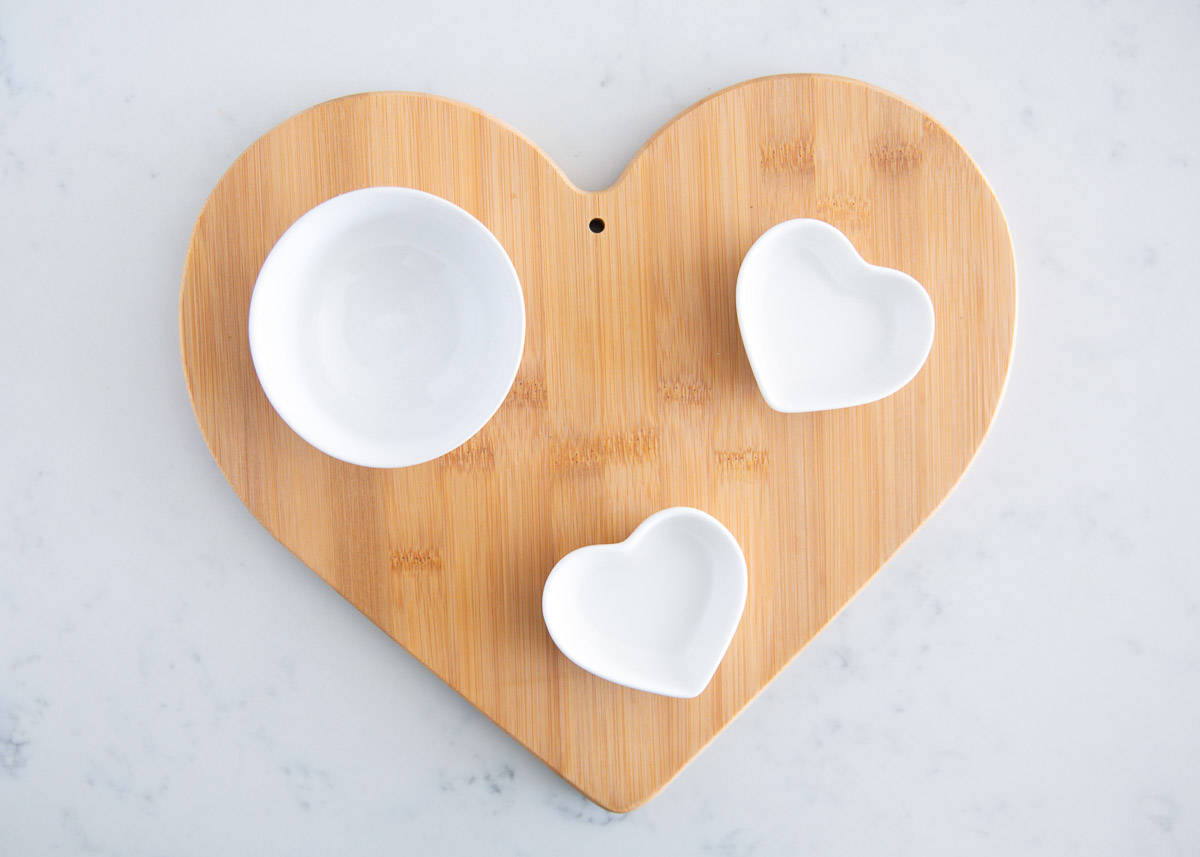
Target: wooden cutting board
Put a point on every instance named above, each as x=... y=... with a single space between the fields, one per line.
x=634 y=393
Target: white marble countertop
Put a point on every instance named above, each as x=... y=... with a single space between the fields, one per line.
x=1022 y=678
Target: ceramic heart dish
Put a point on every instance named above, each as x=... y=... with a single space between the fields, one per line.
x=633 y=393
x=655 y=612
x=823 y=329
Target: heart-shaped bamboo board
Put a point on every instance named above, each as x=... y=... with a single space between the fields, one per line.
x=634 y=393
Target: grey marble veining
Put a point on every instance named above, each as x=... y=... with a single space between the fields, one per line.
x=1022 y=678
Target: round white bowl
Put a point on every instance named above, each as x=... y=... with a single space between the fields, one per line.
x=386 y=326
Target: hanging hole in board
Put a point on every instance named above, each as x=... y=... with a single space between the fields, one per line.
x=596 y=224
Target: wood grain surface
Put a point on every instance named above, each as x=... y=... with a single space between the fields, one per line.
x=634 y=393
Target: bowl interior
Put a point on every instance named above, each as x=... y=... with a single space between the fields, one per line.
x=386 y=326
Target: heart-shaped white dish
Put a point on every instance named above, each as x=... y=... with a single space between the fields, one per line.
x=822 y=327
x=655 y=612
